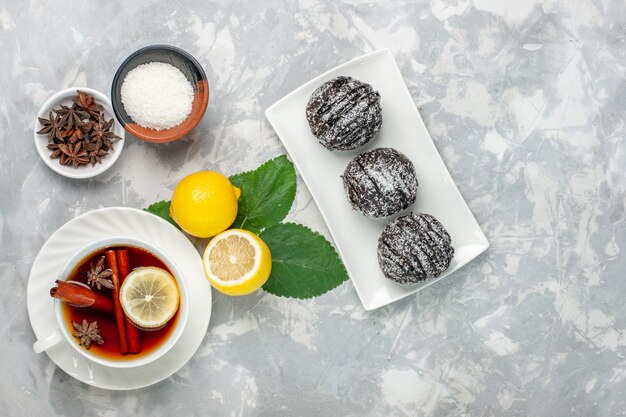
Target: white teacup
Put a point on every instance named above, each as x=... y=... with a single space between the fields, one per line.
x=62 y=333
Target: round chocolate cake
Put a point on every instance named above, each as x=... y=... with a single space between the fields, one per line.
x=380 y=182
x=344 y=113
x=414 y=248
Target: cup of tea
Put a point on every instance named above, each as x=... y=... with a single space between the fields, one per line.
x=86 y=293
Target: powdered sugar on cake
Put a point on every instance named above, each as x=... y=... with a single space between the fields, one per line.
x=414 y=248
x=344 y=113
x=380 y=182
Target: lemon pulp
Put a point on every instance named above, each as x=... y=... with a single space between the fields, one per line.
x=149 y=297
x=237 y=262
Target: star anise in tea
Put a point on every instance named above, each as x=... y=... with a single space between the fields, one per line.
x=78 y=134
x=98 y=276
x=87 y=333
x=50 y=128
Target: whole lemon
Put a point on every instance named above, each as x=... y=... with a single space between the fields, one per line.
x=204 y=203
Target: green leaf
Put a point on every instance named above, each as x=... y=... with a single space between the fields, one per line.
x=161 y=209
x=267 y=194
x=304 y=263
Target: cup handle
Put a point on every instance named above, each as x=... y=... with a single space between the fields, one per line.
x=48 y=341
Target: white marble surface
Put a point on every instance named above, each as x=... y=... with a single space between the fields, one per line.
x=526 y=103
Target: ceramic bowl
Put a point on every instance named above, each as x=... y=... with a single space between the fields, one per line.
x=188 y=65
x=41 y=141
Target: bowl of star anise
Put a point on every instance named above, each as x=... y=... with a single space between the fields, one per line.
x=76 y=133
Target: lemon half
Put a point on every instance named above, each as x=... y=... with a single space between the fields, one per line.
x=237 y=262
x=149 y=297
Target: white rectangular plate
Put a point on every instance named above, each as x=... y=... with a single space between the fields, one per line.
x=356 y=236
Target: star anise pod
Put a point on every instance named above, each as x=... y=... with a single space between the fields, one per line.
x=88 y=126
x=87 y=333
x=87 y=103
x=74 y=154
x=51 y=128
x=101 y=133
x=56 y=151
x=95 y=153
x=71 y=117
x=98 y=276
x=72 y=135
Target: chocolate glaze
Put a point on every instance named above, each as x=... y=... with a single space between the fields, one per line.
x=380 y=182
x=414 y=248
x=344 y=113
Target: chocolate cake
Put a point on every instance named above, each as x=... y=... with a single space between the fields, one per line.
x=414 y=248
x=380 y=182
x=344 y=113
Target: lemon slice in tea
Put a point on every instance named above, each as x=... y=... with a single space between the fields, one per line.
x=237 y=262
x=149 y=297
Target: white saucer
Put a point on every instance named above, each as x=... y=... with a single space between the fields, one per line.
x=98 y=224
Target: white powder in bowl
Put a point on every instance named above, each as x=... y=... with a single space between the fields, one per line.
x=157 y=95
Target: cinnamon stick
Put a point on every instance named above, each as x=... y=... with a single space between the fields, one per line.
x=79 y=296
x=134 y=339
x=120 y=319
